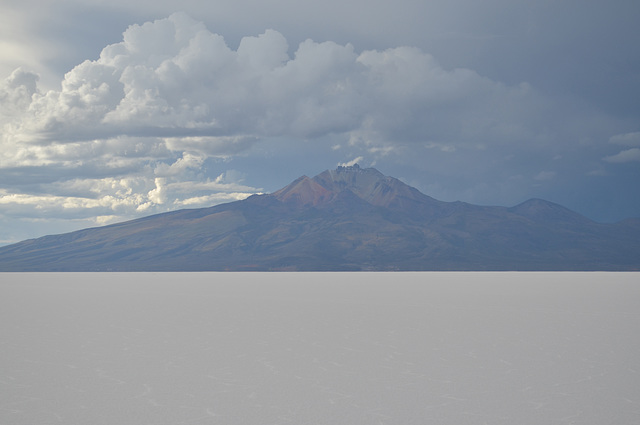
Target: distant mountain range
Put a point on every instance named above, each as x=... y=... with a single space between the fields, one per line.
x=350 y=218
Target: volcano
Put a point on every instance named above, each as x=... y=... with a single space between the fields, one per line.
x=350 y=218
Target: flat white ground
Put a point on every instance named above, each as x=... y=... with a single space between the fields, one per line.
x=320 y=348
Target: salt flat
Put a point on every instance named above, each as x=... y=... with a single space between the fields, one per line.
x=320 y=348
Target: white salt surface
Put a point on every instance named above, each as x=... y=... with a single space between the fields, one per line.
x=320 y=348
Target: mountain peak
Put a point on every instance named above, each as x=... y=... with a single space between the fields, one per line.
x=355 y=169
x=358 y=180
x=303 y=191
x=367 y=184
x=349 y=167
x=539 y=209
x=326 y=186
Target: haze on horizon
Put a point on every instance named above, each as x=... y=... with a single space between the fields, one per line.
x=111 y=112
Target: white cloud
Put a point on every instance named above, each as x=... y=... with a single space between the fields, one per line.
x=16 y=93
x=352 y=162
x=206 y=200
x=187 y=162
x=113 y=198
x=174 y=79
x=52 y=204
x=629 y=155
x=158 y=194
x=264 y=53
x=626 y=139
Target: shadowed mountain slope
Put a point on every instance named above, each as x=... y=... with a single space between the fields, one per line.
x=345 y=219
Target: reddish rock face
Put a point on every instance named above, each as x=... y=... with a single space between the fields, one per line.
x=304 y=191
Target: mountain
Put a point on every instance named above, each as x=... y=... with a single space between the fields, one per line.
x=350 y=218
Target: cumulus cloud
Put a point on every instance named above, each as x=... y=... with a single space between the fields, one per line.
x=174 y=78
x=187 y=162
x=134 y=129
x=16 y=92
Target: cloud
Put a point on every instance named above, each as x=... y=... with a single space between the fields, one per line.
x=212 y=199
x=219 y=147
x=25 y=205
x=187 y=162
x=83 y=197
x=174 y=78
x=352 y=162
x=16 y=92
x=144 y=127
x=172 y=89
x=626 y=139
x=629 y=155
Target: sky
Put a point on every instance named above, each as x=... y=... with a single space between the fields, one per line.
x=115 y=110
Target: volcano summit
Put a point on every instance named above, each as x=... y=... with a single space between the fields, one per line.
x=350 y=218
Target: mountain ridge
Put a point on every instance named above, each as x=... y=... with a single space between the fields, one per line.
x=350 y=218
